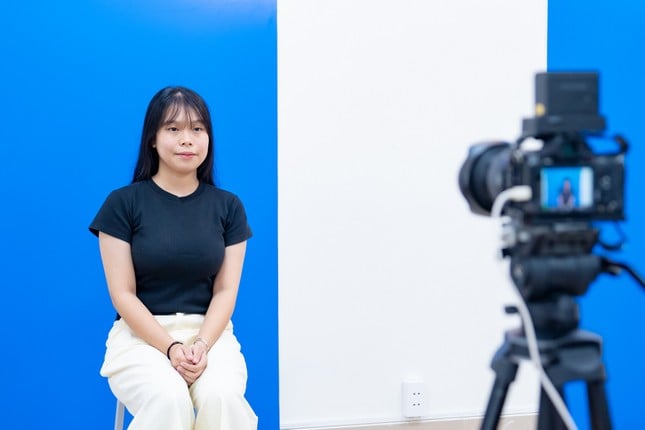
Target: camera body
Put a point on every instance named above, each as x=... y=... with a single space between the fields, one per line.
x=567 y=179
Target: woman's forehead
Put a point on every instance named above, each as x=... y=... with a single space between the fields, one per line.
x=181 y=113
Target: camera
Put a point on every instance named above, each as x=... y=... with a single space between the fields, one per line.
x=552 y=186
x=565 y=186
x=568 y=181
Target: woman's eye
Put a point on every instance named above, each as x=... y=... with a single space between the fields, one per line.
x=173 y=129
x=198 y=129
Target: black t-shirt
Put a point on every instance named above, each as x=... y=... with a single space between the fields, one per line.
x=177 y=243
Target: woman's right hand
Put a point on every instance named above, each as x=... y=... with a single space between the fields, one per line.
x=178 y=354
x=181 y=358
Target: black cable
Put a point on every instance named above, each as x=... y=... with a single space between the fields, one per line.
x=615 y=267
x=619 y=244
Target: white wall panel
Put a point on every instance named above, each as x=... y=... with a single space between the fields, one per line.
x=384 y=274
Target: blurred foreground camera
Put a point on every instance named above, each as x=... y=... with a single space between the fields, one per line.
x=552 y=187
x=567 y=180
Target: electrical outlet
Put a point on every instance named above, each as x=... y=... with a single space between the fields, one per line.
x=414 y=399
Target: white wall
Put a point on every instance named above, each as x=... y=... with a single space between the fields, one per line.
x=384 y=273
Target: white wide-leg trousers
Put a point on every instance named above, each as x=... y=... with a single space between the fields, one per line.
x=158 y=397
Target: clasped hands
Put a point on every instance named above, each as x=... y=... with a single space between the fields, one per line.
x=189 y=360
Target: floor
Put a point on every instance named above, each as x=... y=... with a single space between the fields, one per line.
x=516 y=422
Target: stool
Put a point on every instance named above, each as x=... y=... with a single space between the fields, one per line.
x=118 y=418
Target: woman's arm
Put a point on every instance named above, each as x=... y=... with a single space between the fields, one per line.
x=218 y=314
x=225 y=289
x=119 y=274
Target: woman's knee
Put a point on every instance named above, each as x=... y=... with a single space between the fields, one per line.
x=170 y=398
x=162 y=396
x=163 y=408
x=220 y=392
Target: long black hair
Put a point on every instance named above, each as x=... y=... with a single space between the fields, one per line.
x=166 y=105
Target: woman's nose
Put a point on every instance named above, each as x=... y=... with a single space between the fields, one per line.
x=186 y=140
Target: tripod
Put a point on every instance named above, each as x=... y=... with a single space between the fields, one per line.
x=549 y=270
x=574 y=356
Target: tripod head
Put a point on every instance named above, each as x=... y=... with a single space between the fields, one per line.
x=551 y=264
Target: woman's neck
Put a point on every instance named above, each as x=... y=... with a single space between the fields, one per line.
x=178 y=185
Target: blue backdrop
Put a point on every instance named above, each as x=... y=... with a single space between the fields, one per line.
x=607 y=37
x=77 y=77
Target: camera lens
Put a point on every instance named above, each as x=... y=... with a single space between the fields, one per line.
x=481 y=177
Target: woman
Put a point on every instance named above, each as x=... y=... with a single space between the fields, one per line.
x=566 y=197
x=172 y=247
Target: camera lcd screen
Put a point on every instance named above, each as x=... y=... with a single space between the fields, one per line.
x=566 y=188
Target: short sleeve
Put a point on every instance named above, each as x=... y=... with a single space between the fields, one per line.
x=236 y=228
x=114 y=217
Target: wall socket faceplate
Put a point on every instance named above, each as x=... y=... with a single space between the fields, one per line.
x=414 y=401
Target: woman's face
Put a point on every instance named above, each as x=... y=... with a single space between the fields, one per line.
x=566 y=185
x=182 y=144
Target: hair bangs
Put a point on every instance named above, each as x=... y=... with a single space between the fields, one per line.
x=178 y=105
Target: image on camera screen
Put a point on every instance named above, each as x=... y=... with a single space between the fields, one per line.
x=566 y=188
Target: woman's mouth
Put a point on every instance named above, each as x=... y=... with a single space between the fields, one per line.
x=186 y=155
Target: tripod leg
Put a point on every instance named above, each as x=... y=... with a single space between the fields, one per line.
x=548 y=416
x=598 y=406
x=505 y=371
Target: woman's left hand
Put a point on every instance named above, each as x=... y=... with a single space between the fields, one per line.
x=191 y=370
